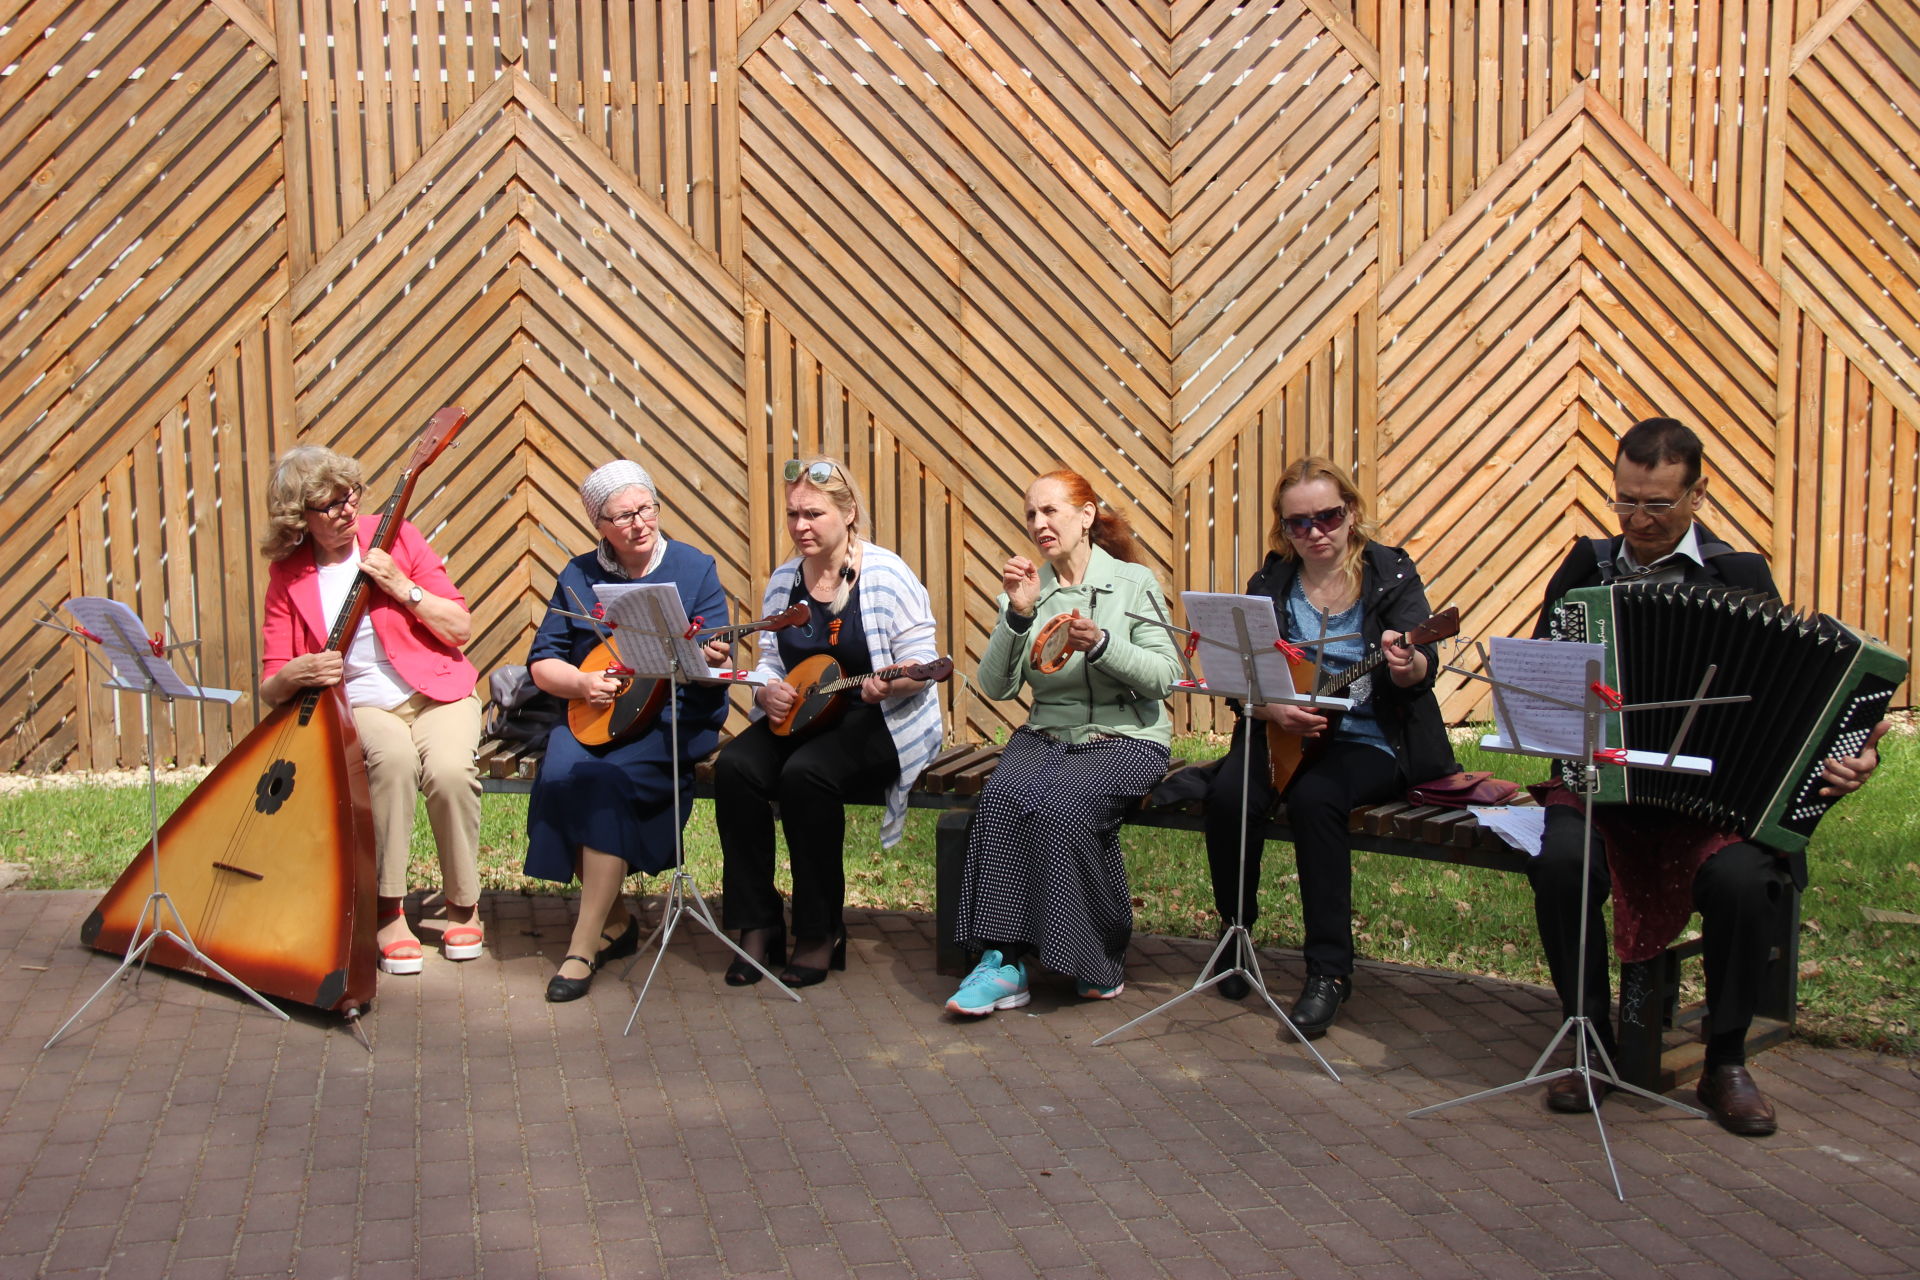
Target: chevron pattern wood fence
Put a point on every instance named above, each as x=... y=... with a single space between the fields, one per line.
x=1455 y=245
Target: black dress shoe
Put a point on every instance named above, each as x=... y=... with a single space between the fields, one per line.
x=742 y=974
x=1319 y=1004
x=1568 y=1094
x=560 y=990
x=1733 y=1099
x=802 y=975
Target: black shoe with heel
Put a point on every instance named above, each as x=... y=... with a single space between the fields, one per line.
x=800 y=975
x=742 y=974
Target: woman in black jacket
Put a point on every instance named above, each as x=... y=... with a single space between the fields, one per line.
x=1322 y=557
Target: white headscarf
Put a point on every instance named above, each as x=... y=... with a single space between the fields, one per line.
x=609 y=480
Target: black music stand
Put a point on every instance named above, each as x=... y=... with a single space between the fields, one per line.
x=653 y=612
x=1246 y=657
x=1593 y=712
x=135 y=664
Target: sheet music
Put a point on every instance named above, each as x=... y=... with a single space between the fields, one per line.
x=1211 y=613
x=1521 y=826
x=135 y=665
x=650 y=633
x=1218 y=657
x=1555 y=668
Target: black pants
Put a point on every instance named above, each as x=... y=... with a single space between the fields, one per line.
x=1321 y=796
x=1740 y=893
x=812 y=777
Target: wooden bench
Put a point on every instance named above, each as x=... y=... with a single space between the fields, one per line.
x=1659 y=1041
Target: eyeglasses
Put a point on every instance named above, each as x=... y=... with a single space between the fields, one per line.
x=817 y=472
x=333 y=509
x=1325 y=521
x=1651 y=508
x=648 y=512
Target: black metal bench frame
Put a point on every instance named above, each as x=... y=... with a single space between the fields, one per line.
x=1659 y=1042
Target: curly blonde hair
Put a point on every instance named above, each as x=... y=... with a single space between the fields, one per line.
x=304 y=475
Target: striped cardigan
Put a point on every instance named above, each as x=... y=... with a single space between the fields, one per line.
x=898 y=619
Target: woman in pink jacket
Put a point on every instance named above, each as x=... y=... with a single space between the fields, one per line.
x=411 y=690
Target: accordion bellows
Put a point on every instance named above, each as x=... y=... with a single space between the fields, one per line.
x=1816 y=688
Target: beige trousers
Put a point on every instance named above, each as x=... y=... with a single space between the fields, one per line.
x=425 y=747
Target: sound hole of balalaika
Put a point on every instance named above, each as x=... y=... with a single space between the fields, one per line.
x=1816 y=688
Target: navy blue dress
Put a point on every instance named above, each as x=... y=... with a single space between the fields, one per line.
x=617 y=799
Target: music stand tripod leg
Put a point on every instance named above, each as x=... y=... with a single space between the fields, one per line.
x=1586 y=1037
x=683 y=893
x=1235 y=934
x=137 y=947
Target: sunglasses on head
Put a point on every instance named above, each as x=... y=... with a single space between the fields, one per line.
x=1325 y=521
x=817 y=472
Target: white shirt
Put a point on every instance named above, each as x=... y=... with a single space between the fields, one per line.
x=370 y=678
x=1668 y=567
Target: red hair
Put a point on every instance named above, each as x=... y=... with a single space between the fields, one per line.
x=1110 y=532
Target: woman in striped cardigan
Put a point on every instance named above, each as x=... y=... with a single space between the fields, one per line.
x=870 y=612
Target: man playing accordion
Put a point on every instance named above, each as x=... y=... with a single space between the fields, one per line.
x=1739 y=887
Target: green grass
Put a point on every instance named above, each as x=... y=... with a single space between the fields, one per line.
x=1858 y=977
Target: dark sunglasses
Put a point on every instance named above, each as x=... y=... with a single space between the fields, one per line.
x=817 y=472
x=1325 y=521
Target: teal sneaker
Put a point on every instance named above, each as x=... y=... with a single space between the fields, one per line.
x=1090 y=992
x=992 y=985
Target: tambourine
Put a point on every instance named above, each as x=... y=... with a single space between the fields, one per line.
x=1050 y=643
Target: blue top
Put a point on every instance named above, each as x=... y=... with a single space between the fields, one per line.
x=1359 y=724
x=619 y=799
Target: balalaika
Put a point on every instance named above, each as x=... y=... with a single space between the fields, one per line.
x=1816 y=687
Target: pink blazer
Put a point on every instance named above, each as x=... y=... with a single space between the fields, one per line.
x=294 y=625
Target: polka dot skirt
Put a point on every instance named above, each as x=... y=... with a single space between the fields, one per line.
x=1043 y=854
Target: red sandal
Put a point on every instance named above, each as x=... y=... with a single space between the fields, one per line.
x=463 y=941
x=403 y=956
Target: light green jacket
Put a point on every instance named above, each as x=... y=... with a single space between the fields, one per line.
x=1124 y=691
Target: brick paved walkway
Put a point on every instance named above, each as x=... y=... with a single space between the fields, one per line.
x=182 y=1133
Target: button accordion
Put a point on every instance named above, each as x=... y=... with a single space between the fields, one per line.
x=1816 y=686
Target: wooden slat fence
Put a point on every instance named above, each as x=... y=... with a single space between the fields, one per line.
x=1457 y=245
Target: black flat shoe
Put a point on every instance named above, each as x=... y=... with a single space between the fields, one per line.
x=800 y=975
x=1319 y=1004
x=742 y=974
x=623 y=946
x=560 y=990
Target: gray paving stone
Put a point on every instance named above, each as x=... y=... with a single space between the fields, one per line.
x=179 y=1131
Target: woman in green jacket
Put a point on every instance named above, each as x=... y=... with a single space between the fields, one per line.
x=1043 y=873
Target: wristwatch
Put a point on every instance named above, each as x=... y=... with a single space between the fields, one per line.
x=416 y=595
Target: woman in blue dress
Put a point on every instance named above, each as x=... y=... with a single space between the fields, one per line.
x=600 y=813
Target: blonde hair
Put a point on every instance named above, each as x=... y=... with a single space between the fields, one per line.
x=840 y=489
x=1360 y=527
x=304 y=475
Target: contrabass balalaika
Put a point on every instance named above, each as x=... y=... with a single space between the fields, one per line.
x=1816 y=687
